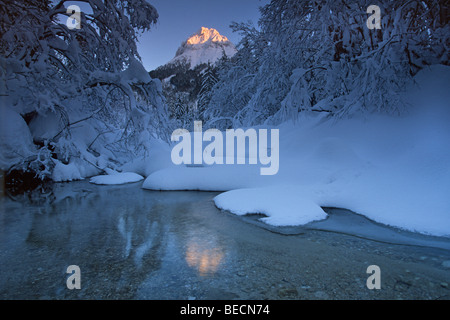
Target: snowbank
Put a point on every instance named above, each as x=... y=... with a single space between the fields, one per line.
x=159 y=158
x=77 y=169
x=66 y=172
x=394 y=170
x=16 y=143
x=208 y=178
x=117 y=178
x=283 y=206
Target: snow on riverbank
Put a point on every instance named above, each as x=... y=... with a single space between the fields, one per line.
x=117 y=178
x=284 y=205
x=394 y=170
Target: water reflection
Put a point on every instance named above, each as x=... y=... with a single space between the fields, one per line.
x=127 y=242
x=132 y=243
x=206 y=260
x=111 y=233
x=205 y=249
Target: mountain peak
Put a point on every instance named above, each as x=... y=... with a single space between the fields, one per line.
x=205 y=35
x=205 y=46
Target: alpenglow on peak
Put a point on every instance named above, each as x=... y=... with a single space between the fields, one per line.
x=205 y=46
x=206 y=34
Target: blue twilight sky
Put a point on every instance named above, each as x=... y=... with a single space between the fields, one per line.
x=179 y=19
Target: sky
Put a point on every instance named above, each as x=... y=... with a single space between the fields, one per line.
x=179 y=19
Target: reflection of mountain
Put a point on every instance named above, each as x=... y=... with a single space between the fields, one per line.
x=205 y=251
x=206 y=259
x=128 y=242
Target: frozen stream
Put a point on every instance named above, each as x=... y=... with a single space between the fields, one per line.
x=132 y=243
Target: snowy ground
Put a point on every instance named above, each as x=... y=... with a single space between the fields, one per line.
x=394 y=170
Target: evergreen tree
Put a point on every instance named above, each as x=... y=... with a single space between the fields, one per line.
x=209 y=79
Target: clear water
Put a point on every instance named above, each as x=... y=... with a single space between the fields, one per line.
x=132 y=243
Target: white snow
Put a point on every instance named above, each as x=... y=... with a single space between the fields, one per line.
x=66 y=172
x=283 y=206
x=394 y=170
x=135 y=73
x=117 y=178
x=45 y=126
x=16 y=143
x=76 y=169
x=157 y=159
x=208 y=178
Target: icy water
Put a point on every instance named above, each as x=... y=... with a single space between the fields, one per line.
x=131 y=243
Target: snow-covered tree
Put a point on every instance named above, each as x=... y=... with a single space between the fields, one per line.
x=320 y=56
x=208 y=80
x=181 y=87
x=236 y=76
x=83 y=92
